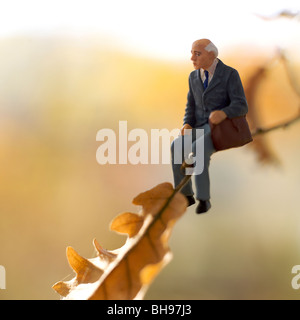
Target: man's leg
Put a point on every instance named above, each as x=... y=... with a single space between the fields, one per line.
x=202 y=180
x=177 y=152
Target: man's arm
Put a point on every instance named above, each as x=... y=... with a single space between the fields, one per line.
x=189 y=116
x=238 y=104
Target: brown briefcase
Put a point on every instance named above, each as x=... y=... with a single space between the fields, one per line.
x=230 y=133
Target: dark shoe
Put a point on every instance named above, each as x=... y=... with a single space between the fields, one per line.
x=191 y=200
x=203 y=206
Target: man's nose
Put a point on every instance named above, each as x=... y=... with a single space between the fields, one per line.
x=193 y=57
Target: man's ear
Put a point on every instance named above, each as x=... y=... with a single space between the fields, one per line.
x=212 y=55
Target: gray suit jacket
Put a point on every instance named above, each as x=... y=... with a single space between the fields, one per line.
x=225 y=92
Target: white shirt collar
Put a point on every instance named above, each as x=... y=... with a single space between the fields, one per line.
x=211 y=70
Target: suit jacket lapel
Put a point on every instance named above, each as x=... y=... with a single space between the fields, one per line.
x=216 y=78
x=201 y=86
x=198 y=84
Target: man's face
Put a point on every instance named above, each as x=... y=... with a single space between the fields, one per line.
x=200 y=57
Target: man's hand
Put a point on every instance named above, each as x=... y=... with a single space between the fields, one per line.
x=217 y=117
x=186 y=126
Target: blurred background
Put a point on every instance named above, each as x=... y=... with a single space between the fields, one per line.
x=71 y=68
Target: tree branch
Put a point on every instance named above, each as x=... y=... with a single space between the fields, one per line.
x=283 y=125
x=258 y=131
x=295 y=87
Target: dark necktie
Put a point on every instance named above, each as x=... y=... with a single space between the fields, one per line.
x=205 y=83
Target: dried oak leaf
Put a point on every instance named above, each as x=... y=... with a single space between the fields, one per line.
x=126 y=273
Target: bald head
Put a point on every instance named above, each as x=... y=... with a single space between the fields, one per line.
x=202 y=42
x=204 y=52
x=207 y=45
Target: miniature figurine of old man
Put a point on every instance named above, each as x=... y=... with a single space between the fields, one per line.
x=215 y=93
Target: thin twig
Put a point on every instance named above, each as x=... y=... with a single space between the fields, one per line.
x=258 y=131
x=284 y=125
x=182 y=183
x=282 y=14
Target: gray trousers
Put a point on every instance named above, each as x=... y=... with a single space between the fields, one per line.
x=202 y=181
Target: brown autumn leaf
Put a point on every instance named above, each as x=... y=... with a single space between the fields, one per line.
x=126 y=273
x=260 y=144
